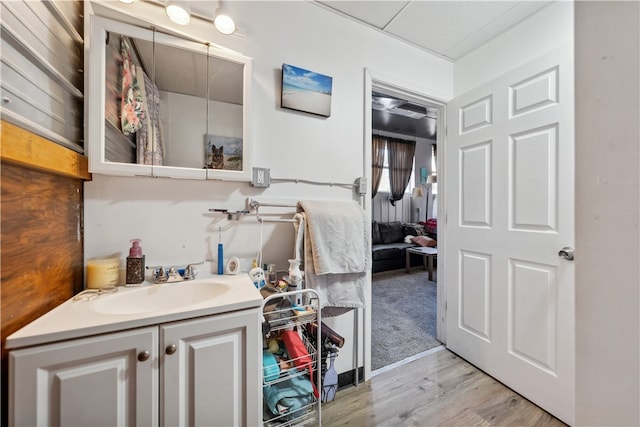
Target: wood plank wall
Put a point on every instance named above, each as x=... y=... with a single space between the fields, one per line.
x=383 y=211
x=41 y=257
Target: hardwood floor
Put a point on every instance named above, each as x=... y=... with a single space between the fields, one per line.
x=439 y=389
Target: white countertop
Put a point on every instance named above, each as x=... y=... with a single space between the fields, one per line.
x=76 y=319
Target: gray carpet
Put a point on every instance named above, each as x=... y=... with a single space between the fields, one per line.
x=403 y=316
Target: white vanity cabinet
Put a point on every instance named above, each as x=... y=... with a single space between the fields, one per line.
x=94 y=381
x=201 y=371
x=210 y=371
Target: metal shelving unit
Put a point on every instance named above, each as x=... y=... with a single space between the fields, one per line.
x=292 y=311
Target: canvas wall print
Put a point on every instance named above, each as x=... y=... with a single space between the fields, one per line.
x=223 y=152
x=306 y=91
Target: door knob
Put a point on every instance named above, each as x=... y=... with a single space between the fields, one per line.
x=143 y=355
x=566 y=253
x=170 y=349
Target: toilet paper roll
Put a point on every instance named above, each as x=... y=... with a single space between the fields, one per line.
x=233 y=265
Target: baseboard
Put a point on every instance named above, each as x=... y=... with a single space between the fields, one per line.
x=347 y=379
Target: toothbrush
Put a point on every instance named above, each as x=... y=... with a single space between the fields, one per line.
x=220 y=252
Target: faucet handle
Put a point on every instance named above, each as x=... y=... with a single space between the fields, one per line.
x=159 y=273
x=189 y=272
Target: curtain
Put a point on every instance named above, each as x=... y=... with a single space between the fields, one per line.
x=377 y=158
x=401 y=155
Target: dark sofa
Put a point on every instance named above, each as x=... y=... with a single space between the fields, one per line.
x=388 y=246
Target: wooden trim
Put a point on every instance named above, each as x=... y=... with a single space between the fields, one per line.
x=27 y=149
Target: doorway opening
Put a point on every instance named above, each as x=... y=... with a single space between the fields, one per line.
x=405 y=299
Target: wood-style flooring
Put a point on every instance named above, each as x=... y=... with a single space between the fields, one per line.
x=439 y=389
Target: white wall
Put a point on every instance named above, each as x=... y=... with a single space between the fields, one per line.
x=171 y=216
x=607 y=213
x=548 y=29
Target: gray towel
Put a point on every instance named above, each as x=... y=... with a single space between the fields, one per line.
x=338 y=234
x=335 y=256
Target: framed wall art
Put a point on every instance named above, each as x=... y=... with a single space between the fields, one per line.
x=223 y=152
x=305 y=90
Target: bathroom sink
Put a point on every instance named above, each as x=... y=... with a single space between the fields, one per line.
x=158 y=298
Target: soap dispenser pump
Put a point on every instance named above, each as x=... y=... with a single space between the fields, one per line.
x=135 y=264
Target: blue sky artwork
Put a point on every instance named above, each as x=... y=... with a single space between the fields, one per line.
x=306 y=80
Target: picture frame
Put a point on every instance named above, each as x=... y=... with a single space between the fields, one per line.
x=223 y=153
x=307 y=91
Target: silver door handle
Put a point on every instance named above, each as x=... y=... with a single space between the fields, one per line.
x=566 y=253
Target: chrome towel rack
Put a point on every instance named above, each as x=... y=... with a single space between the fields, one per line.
x=254 y=204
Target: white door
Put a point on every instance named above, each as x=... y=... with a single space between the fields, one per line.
x=510 y=210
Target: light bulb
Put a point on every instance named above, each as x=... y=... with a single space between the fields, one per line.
x=224 y=24
x=178 y=12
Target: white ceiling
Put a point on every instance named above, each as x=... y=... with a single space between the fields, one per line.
x=450 y=29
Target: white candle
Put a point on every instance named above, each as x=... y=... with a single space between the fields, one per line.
x=103 y=272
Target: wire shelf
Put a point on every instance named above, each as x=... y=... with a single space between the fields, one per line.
x=289 y=311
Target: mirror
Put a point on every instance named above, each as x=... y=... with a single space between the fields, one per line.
x=160 y=105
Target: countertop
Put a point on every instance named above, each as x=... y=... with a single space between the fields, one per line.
x=77 y=319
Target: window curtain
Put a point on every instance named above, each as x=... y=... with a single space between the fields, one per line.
x=377 y=159
x=401 y=154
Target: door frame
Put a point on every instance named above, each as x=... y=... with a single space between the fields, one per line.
x=434 y=98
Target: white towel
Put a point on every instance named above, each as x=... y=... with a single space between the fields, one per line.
x=338 y=235
x=335 y=255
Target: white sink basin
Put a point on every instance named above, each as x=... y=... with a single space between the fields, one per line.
x=135 y=307
x=158 y=298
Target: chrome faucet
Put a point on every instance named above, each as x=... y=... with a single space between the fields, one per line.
x=173 y=274
x=189 y=272
x=159 y=274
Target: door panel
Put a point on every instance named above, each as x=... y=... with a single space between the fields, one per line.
x=510 y=208
x=475 y=292
x=95 y=381
x=211 y=370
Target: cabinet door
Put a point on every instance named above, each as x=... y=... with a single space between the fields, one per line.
x=97 y=381
x=211 y=371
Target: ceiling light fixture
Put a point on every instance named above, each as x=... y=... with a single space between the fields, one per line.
x=127 y=1
x=223 y=22
x=178 y=11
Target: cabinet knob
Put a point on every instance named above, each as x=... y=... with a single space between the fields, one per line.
x=143 y=355
x=170 y=349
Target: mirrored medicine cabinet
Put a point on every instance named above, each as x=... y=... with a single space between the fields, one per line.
x=163 y=106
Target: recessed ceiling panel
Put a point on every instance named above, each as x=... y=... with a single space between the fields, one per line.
x=375 y=13
x=494 y=26
x=440 y=25
x=447 y=28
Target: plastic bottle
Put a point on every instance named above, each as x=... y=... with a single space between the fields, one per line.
x=272 y=276
x=135 y=264
x=257 y=275
x=295 y=279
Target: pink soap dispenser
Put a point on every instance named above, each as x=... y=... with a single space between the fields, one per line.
x=135 y=264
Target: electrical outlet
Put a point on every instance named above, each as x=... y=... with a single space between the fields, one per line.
x=361 y=185
x=261 y=177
